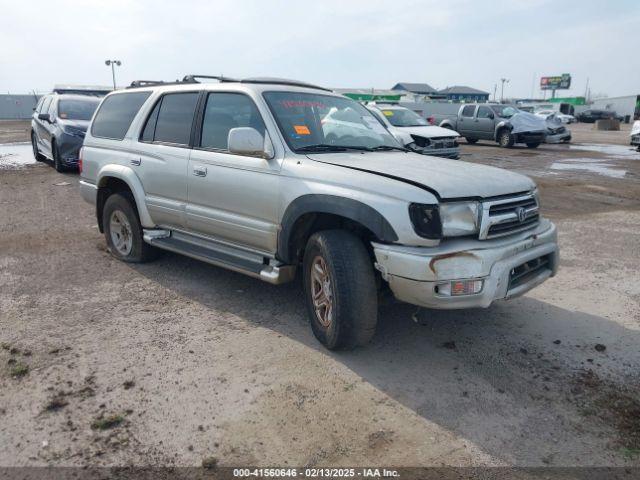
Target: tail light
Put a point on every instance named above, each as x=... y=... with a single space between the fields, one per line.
x=80 y=159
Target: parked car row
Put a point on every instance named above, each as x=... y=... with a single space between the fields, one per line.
x=591 y=116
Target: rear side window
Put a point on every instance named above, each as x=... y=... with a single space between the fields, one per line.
x=225 y=111
x=116 y=113
x=171 y=119
x=468 y=111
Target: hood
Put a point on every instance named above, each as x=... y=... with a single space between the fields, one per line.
x=79 y=124
x=527 y=122
x=429 y=131
x=447 y=178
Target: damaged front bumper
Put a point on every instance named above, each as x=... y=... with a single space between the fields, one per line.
x=499 y=269
x=453 y=153
x=558 y=136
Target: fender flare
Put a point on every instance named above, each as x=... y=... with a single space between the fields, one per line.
x=446 y=124
x=344 y=207
x=128 y=176
x=500 y=126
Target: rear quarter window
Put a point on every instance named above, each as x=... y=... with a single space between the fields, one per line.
x=116 y=113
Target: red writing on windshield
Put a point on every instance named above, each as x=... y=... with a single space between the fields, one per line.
x=301 y=104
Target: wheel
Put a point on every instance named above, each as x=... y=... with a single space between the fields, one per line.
x=471 y=140
x=533 y=145
x=57 y=162
x=505 y=139
x=123 y=231
x=34 y=146
x=340 y=289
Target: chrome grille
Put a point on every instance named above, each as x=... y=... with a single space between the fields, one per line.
x=508 y=215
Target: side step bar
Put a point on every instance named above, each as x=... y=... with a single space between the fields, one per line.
x=221 y=255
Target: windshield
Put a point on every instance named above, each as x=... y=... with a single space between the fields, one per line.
x=402 y=117
x=504 y=111
x=324 y=123
x=77 y=109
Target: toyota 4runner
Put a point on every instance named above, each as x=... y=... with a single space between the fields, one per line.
x=244 y=174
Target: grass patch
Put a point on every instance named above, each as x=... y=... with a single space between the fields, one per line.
x=19 y=370
x=106 y=423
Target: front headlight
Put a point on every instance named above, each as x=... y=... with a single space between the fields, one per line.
x=426 y=220
x=460 y=218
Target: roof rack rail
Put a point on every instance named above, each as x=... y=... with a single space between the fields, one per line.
x=283 y=81
x=220 y=78
x=223 y=79
x=146 y=83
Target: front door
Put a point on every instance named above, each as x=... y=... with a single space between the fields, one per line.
x=232 y=198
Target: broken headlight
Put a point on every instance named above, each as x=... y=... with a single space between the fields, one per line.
x=426 y=220
x=460 y=218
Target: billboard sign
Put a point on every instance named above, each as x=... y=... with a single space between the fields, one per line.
x=562 y=82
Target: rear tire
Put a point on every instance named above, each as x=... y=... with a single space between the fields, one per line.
x=505 y=139
x=533 y=145
x=471 y=140
x=123 y=231
x=340 y=289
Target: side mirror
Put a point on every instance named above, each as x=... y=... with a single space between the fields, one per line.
x=492 y=116
x=44 y=116
x=248 y=141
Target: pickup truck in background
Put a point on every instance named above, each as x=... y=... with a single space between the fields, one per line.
x=504 y=124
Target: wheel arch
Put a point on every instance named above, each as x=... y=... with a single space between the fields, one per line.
x=310 y=213
x=116 y=178
x=499 y=127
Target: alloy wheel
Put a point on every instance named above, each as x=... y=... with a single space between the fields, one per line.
x=322 y=291
x=121 y=234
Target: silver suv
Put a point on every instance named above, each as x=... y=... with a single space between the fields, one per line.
x=255 y=176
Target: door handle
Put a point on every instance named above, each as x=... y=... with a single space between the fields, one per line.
x=135 y=161
x=200 y=171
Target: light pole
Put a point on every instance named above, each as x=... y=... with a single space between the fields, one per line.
x=113 y=63
x=503 y=80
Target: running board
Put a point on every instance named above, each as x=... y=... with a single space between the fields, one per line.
x=221 y=255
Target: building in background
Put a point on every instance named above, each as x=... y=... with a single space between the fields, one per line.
x=460 y=93
x=418 y=92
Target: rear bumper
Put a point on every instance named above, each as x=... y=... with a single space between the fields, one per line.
x=416 y=274
x=88 y=191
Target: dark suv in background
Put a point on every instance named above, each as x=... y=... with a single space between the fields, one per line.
x=58 y=126
x=590 y=116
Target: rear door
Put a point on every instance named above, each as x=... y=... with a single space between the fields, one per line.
x=232 y=197
x=161 y=163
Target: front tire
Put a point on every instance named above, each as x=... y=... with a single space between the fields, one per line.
x=340 y=289
x=471 y=140
x=505 y=139
x=36 y=150
x=533 y=145
x=57 y=161
x=123 y=231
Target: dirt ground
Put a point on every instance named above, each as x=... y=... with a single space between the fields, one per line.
x=172 y=362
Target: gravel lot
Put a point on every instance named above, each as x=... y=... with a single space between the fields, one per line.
x=172 y=362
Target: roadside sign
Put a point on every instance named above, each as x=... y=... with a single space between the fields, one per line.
x=561 y=82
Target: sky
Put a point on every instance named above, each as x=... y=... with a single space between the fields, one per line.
x=333 y=43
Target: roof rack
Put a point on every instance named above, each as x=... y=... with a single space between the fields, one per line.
x=222 y=79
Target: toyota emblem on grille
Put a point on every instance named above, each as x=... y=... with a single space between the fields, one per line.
x=522 y=214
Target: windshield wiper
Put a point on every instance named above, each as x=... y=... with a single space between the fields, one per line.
x=386 y=148
x=321 y=147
